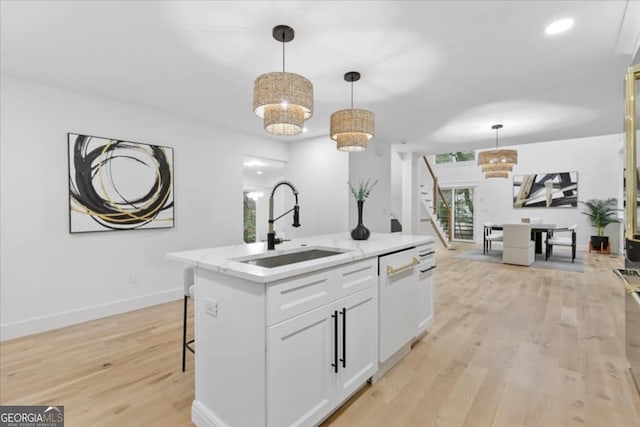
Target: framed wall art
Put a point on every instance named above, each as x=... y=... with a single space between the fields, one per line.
x=118 y=185
x=546 y=190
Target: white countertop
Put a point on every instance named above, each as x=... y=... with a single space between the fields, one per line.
x=224 y=259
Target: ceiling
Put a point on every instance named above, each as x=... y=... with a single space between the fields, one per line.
x=436 y=74
x=261 y=172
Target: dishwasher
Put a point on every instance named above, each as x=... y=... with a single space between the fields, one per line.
x=398 y=316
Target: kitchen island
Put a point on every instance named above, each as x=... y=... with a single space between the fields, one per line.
x=284 y=337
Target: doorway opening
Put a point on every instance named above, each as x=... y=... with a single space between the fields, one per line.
x=461 y=201
x=259 y=177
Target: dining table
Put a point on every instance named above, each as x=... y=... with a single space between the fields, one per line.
x=536 y=233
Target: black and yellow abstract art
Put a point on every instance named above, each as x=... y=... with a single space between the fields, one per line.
x=546 y=190
x=118 y=185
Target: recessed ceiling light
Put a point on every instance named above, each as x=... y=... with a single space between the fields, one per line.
x=252 y=163
x=304 y=130
x=259 y=172
x=559 y=26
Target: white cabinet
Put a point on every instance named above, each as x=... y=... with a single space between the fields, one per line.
x=320 y=358
x=355 y=277
x=425 y=297
x=292 y=297
x=300 y=379
x=357 y=355
x=285 y=353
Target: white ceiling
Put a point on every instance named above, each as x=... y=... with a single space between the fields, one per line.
x=436 y=74
x=261 y=170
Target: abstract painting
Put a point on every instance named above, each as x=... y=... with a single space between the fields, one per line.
x=118 y=185
x=546 y=190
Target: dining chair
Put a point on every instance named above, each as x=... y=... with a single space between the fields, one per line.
x=554 y=240
x=490 y=235
x=188 y=280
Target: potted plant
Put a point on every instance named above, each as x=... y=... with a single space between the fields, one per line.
x=601 y=213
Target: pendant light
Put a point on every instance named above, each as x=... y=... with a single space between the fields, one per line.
x=352 y=128
x=284 y=100
x=497 y=163
x=496 y=174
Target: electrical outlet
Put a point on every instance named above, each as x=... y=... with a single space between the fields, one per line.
x=134 y=278
x=211 y=307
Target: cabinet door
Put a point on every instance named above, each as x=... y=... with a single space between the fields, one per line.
x=300 y=378
x=425 y=297
x=358 y=344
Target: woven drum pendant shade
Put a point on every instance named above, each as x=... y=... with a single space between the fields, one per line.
x=497 y=163
x=352 y=128
x=283 y=120
x=493 y=160
x=284 y=100
x=496 y=174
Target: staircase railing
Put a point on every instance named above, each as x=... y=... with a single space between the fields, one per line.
x=438 y=191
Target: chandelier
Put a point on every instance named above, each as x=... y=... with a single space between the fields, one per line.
x=284 y=100
x=497 y=163
x=352 y=128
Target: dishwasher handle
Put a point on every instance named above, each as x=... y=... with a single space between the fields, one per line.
x=395 y=270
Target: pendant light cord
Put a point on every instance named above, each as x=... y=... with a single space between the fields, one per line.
x=283 y=51
x=352 y=94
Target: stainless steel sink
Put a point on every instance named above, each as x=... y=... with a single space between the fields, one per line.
x=264 y=260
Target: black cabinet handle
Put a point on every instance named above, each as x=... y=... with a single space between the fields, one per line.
x=426 y=254
x=335 y=341
x=344 y=337
x=428 y=269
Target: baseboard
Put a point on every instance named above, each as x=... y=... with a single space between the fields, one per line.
x=203 y=417
x=58 y=320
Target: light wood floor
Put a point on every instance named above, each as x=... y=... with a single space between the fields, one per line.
x=510 y=346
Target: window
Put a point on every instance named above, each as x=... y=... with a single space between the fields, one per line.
x=458 y=156
x=249 y=219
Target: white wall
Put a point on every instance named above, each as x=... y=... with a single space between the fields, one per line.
x=598 y=160
x=50 y=278
x=320 y=173
x=395 y=185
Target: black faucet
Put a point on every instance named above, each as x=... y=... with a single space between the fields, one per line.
x=271 y=235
